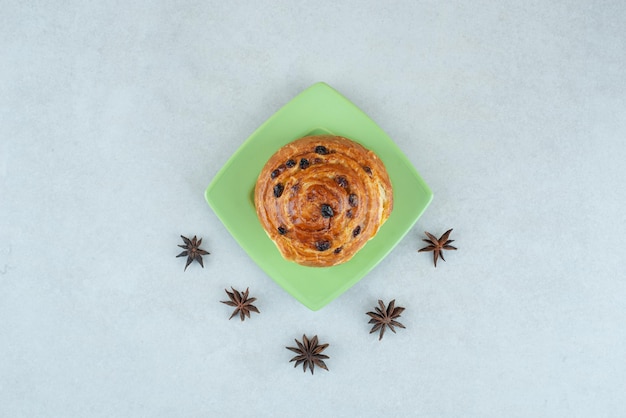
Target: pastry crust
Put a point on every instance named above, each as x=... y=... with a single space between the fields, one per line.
x=321 y=198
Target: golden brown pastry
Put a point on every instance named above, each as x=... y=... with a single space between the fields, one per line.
x=321 y=198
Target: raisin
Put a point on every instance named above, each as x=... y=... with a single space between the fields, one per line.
x=349 y=213
x=290 y=163
x=322 y=245
x=327 y=211
x=304 y=163
x=282 y=230
x=342 y=182
x=353 y=200
x=338 y=250
x=278 y=190
x=321 y=149
x=356 y=231
x=279 y=170
x=367 y=170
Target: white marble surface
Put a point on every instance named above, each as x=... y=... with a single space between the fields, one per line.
x=115 y=117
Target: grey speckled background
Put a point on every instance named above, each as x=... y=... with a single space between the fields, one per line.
x=115 y=117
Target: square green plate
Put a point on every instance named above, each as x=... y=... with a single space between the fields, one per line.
x=317 y=110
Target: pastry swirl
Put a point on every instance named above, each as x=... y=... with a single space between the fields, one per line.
x=321 y=198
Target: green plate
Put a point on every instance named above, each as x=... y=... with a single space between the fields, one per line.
x=318 y=110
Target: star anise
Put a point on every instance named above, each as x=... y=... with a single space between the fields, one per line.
x=438 y=245
x=243 y=305
x=385 y=317
x=192 y=250
x=309 y=354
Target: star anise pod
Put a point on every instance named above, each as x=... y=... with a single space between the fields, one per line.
x=385 y=317
x=243 y=305
x=438 y=245
x=192 y=250
x=309 y=354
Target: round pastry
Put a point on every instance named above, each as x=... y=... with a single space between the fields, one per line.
x=321 y=198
